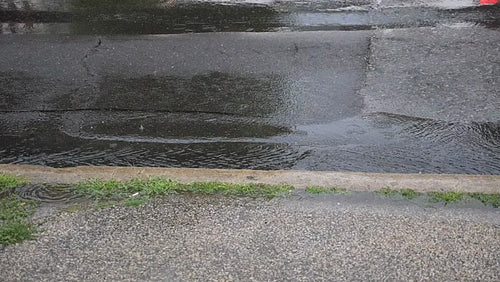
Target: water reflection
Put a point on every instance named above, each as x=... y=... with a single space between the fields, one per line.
x=214 y=92
x=168 y=16
x=153 y=127
x=64 y=151
x=48 y=193
x=377 y=143
x=259 y=95
x=140 y=17
x=160 y=17
x=383 y=142
x=38 y=5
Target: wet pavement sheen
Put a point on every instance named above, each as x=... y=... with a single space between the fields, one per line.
x=383 y=87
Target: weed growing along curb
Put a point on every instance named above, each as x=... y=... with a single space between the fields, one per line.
x=137 y=191
x=451 y=197
x=8 y=181
x=446 y=197
x=116 y=190
x=487 y=199
x=387 y=191
x=408 y=194
x=135 y=202
x=14 y=225
x=325 y=190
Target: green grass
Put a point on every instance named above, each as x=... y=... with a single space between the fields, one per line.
x=408 y=194
x=134 y=202
x=14 y=224
x=387 y=191
x=446 y=197
x=13 y=209
x=10 y=181
x=113 y=189
x=325 y=190
x=253 y=190
x=146 y=188
x=487 y=199
x=15 y=232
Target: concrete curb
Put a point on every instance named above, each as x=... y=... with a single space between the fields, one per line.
x=354 y=181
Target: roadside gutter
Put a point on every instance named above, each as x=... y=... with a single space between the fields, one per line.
x=353 y=181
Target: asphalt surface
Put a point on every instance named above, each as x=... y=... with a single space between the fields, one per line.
x=356 y=85
x=304 y=238
x=445 y=73
x=371 y=86
x=419 y=100
x=244 y=74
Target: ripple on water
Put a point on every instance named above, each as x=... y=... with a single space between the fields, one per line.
x=55 y=193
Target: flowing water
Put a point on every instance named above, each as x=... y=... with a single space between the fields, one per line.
x=111 y=83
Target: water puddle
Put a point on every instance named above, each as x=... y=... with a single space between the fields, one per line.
x=160 y=17
x=49 y=193
x=374 y=143
x=281 y=102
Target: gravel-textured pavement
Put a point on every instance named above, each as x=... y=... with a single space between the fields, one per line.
x=302 y=238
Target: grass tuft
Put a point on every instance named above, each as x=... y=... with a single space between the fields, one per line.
x=14 y=226
x=113 y=189
x=241 y=190
x=11 y=181
x=408 y=194
x=146 y=188
x=15 y=232
x=134 y=202
x=446 y=197
x=387 y=191
x=325 y=190
x=487 y=199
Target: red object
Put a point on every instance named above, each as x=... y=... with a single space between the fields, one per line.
x=485 y=2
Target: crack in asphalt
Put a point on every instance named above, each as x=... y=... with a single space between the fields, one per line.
x=90 y=52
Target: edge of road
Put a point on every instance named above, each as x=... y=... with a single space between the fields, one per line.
x=354 y=181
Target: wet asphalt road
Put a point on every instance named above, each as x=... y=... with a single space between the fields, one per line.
x=381 y=86
x=303 y=238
